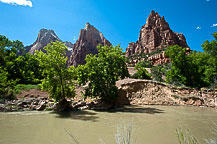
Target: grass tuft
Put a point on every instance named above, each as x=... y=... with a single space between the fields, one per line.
x=20 y=87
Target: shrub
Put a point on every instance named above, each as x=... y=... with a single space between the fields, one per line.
x=141 y=73
x=157 y=73
x=6 y=86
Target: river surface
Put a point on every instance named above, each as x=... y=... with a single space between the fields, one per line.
x=150 y=125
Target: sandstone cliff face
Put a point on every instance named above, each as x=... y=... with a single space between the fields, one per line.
x=45 y=37
x=159 y=58
x=87 y=43
x=155 y=34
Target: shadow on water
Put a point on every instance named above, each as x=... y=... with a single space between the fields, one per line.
x=135 y=109
x=87 y=115
x=77 y=115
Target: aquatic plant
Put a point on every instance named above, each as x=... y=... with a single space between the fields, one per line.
x=185 y=137
x=124 y=134
x=212 y=140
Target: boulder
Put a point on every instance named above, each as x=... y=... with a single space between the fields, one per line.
x=20 y=104
x=2 y=107
x=27 y=101
x=62 y=105
x=41 y=106
x=33 y=107
x=79 y=104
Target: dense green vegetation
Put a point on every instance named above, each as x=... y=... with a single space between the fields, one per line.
x=194 y=69
x=6 y=86
x=141 y=72
x=59 y=80
x=16 y=68
x=197 y=69
x=157 y=72
x=20 y=68
x=102 y=71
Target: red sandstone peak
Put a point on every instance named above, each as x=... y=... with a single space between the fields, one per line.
x=155 y=34
x=89 y=39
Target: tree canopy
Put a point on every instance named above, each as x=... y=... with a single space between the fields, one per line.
x=102 y=71
x=16 y=68
x=141 y=72
x=59 y=80
x=197 y=69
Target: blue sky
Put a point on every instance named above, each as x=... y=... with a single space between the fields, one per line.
x=119 y=20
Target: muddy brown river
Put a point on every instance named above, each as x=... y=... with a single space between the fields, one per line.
x=150 y=125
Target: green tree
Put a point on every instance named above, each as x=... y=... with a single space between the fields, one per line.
x=102 y=71
x=187 y=69
x=176 y=75
x=210 y=48
x=28 y=69
x=24 y=68
x=157 y=73
x=141 y=72
x=6 y=86
x=145 y=63
x=59 y=79
x=197 y=69
x=8 y=50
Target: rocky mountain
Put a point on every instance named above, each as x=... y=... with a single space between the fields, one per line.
x=45 y=37
x=87 y=43
x=154 y=35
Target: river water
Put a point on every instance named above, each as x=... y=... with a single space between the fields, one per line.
x=150 y=125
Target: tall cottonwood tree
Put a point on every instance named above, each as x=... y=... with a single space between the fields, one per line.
x=210 y=48
x=197 y=69
x=59 y=80
x=102 y=71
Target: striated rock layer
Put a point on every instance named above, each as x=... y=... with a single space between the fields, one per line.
x=154 y=35
x=147 y=92
x=87 y=43
x=45 y=37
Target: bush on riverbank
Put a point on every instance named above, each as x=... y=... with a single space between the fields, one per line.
x=16 y=67
x=141 y=72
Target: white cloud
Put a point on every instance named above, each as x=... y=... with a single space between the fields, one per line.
x=18 y=2
x=198 y=28
x=214 y=25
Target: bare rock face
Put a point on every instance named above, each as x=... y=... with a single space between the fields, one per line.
x=155 y=34
x=147 y=92
x=159 y=58
x=45 y=37
x=87 y=43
